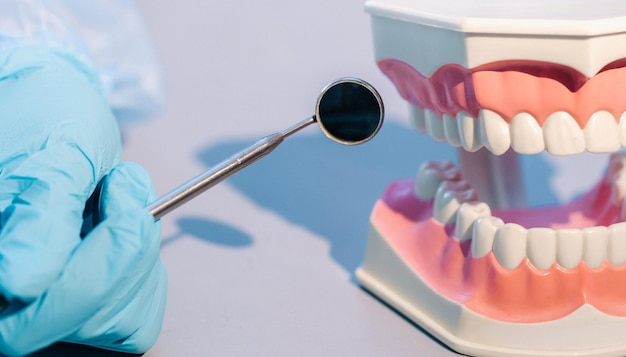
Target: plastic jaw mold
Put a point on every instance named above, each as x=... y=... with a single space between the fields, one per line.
x=455 y=250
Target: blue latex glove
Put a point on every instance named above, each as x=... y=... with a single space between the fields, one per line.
x=58 y=138
x=112 y=291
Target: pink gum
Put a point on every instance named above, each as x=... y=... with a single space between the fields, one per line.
x=511 y=87
x=525 y=294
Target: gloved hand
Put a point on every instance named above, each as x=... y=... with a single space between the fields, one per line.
x=111 y=293
x=58 y=138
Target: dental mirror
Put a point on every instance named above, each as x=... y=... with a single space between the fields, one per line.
x=349 y=111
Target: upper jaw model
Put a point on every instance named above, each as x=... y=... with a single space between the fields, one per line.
x=455 y=250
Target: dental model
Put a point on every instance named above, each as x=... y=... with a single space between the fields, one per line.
x=455 y=250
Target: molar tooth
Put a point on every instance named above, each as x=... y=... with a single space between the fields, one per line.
x=451 y=129
x=483 y=235
x=494 y=132
x=616 y=177
x=616 y=161
x=563 y=136
x=509 y=245
x=427 y=181
x=542 y=247
x=526 y=134
x=446 y=204
x=616 y=252
x=619 y=190
x=601 y=133
x=469 y=132
x=595 y=246
x=570 y=244
x=468 y=195
x=418 y=118
x=430 y=175
x=434 y=126
x=622 y=129
x=466 y=216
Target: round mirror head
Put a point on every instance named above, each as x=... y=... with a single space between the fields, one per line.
x=349 y=111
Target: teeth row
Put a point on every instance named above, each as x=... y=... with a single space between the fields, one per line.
x=455 y=202
x=560 y=134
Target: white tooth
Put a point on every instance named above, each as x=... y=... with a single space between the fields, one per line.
x=452 y=130
x=494 y=132
x=622 y=129
x=469 y=131
x=446 y=205
x=427 y=181
x=483 y=235
x=418 y=118
x=434 y=126
x=569 y=250
x=509 y=245
x=616 y=162
x=620 y=187
x=617 y=173
x=542 y=247
x=595 y=246
x=601 y=133
x=616 y=252
x=466 y=216
x=563 y=136
x=526 y=134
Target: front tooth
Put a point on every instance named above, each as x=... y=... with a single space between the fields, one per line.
x=418 y=118
x=542 y=247
x=616 y=252
x=509 y=245
x=483 y=235
x=434 y=126
x=595 y=246
x=601 y=133
x=466 y=216
x=526 y=134
x=570 y=244
x=622 y=129
x=494 y=132
x=469 y=132
x=430 y=175
x=452 y=130
x=563 y=136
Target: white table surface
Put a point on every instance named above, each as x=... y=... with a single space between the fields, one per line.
x=263 y=264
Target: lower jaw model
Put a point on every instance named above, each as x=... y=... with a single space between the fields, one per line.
x=455 y=250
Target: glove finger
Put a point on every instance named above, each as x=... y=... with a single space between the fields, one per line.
x=150 y=311
x=127 y=186
x=129 y=326
x=106 y=272
x=42 y=223
x=132 y=320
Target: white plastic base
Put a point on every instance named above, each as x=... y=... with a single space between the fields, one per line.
x=586 y=332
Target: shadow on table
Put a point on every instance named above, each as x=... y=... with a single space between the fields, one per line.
x=209 y=231
x=330 y=189
x=71 y=350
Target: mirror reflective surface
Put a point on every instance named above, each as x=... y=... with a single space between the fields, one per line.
x=350 y=111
